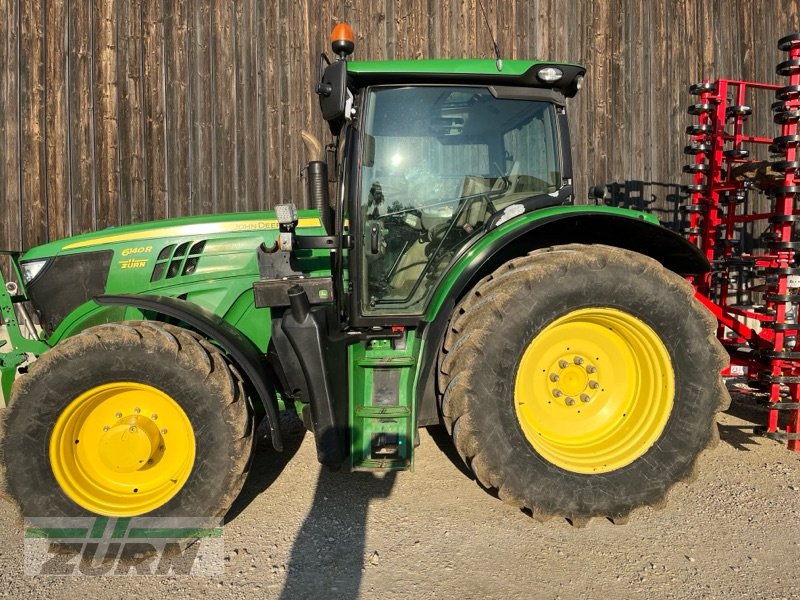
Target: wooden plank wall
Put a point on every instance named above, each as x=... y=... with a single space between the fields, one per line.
x=119 y=111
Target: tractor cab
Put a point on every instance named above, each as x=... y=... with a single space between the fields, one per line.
x=439 y=165
x=436 y=154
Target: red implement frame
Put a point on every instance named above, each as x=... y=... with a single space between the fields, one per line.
x=761 y=338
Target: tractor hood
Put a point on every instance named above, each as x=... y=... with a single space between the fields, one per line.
x=205 y=225
x=197 y=256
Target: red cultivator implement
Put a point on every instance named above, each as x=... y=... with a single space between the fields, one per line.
x=743 y=184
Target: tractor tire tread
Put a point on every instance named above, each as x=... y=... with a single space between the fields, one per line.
x=192 y=353
x=478 y=315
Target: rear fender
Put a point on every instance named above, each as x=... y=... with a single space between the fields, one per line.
x=626 y=229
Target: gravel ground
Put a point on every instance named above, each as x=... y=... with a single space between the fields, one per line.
x=301 y=532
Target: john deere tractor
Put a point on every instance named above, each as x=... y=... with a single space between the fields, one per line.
x=450 y=278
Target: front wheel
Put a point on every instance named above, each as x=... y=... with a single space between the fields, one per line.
x=582 y=381
x=128 y=419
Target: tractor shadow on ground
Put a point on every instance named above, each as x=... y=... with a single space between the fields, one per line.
x=267 y=463
x=329 y=554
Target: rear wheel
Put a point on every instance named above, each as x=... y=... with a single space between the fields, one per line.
x=128 y=419
x=582 y=381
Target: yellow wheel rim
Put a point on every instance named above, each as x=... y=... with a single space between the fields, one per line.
x=122 y=449
x=594 y=390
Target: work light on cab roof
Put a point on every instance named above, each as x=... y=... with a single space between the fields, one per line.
x=550 y=74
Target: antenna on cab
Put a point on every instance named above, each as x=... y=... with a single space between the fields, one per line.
x=498 y=61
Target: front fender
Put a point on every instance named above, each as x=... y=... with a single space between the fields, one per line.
x=241 y=349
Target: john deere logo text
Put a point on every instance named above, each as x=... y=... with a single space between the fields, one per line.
x=255 y=225
x=123 y=547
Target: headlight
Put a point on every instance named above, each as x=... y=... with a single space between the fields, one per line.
x=550 y=74
x=31 y=269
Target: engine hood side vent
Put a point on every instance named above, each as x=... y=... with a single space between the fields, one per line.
x=177 y=260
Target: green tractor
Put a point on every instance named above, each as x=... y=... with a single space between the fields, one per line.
x=450 y=279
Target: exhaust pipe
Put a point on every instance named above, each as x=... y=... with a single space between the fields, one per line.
x=317 y=180
x=318 y=192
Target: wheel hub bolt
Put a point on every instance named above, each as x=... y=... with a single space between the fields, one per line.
x=136 y=411
x=554 y=377
x=594 y=385
x=154 y=416
x=557 y=393
x=132 y=429
x=570 y=401
x=563 y=364
x=118 y=415
x=106 y=427
x=163 y=431
x=591 y=369
x=585 y=398
x=578 y=360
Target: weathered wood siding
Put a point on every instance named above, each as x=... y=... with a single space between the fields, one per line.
x=119 y=111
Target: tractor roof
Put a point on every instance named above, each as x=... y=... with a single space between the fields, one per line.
x=481 y=71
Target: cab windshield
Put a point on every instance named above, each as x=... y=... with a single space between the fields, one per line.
x=436 y=163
